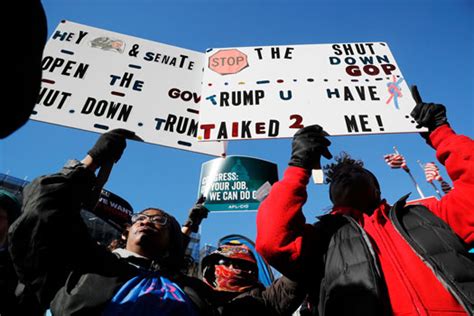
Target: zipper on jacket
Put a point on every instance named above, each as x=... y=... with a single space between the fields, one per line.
x=418 y=303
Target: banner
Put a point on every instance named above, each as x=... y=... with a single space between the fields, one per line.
x=271 y=92
x=236 y=183
x=98 y=80
x=113 y=209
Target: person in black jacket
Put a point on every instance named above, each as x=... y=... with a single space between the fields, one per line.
x=231 y=272
x=231 y=275
x=63 y=268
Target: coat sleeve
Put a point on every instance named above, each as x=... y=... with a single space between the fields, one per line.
x=50 y=239
x=283 y=297
x=282 y=232
x=456 y=153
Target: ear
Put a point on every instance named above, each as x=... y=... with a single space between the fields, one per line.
x=125 y=233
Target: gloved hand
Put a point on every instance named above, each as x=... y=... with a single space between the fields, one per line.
x=309 y=144
x=110 y=146
x=428 y=115
x=196 y=214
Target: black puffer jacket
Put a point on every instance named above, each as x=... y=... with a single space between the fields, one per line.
x=351 y=270
x=55 y=257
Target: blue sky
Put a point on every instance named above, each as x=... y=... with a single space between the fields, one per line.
x=432 y=42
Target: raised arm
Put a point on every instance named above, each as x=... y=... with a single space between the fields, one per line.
x=196 y=214
x=456 y=153
x=50 y=238
x=282 y=231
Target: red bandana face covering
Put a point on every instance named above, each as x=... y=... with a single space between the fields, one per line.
x=230 y=279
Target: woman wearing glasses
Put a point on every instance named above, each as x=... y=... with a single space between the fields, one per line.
x=64 y=269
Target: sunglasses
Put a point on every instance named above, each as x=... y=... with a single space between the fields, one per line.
x=237 y=264
x=155 y=219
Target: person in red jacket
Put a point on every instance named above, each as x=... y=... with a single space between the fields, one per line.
x=367 y=257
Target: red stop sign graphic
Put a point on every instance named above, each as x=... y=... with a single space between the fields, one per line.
x=228 y=61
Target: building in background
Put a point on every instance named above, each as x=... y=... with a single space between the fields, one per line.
x=13 y=185
x=192 y=255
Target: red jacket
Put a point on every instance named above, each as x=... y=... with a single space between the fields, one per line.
x=287 y=242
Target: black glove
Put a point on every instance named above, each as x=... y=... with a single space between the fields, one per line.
x=197 y=214
x=110 y=146
x=309 y=144
x=428 y=115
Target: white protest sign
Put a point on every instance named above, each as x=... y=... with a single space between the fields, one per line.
x=98 y=80
x=270 y=92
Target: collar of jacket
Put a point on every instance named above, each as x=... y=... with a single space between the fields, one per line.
x=124 y=253
x=400 y=204
x=383 y=208
x=139 y=261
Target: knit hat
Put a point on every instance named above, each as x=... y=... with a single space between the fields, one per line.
x=230 y=250
x=232 y=268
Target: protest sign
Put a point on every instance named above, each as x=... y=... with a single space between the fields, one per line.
x=113 y=209
x=234 y=183
x=271 y=92
x=98 y=80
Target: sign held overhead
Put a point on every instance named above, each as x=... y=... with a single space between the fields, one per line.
x=98 y=80
x=236 y=183
x=348 y=89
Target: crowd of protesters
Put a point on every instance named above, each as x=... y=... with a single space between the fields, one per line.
x=365 y=257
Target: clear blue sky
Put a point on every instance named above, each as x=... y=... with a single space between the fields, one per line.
x=432 y=42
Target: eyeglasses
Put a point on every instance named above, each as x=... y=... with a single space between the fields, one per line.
x=238 y=264
x=155 y=219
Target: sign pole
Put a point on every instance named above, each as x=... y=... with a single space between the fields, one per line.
x=432 y=184
x=407 y=170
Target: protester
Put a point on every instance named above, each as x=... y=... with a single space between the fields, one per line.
x=64 y=268
x=232 y=273
x=9 y=211
x=367 y=257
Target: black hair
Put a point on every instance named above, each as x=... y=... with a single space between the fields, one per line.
x=350 y=184
x=343 y=162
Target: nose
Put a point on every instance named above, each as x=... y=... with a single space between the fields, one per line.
x=146 y=221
